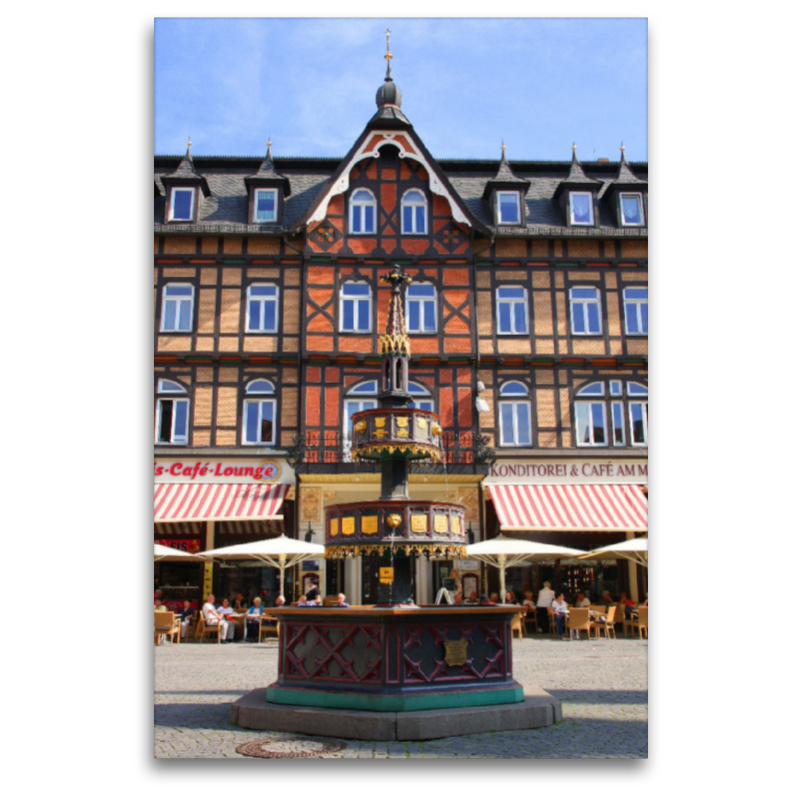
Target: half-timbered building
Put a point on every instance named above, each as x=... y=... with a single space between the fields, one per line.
x=528 y=318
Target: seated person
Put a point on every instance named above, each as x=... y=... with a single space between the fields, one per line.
x=472 y=600
x=494 y=597
x=341 y=601
x=607 y=599
x=511 y=598
x=560 y=612
x=280 y=600
x=159 y=605
x=582 y=601
x=186 y=615
x=485 y=601
x=238 y=603
x=313 y=597
x=212 y=618
x=252 y=620
x=301 y=601
x=529 y=605
x=629 y=604
x=458 y=599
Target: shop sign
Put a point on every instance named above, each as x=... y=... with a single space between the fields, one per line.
x=568 y=471
x=198 y=470
x=386 y=574
x=184 y=545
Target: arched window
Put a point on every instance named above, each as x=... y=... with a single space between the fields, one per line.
x=591 y=415
x=515 y=415
x=172 y=413
x=422 y=397
x=414 y=209
x=421 y=308
x=355 y=308
x=259 y=413
x=262 y=308
x=360 y=397
x=362 y=211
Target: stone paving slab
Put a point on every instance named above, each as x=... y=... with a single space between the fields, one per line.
x=602 y=687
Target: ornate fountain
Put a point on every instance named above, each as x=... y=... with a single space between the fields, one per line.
x=375 y=672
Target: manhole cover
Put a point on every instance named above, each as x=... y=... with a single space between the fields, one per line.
x=287 y=747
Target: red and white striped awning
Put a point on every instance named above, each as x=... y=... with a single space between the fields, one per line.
x=568 y=507
x=211 y=501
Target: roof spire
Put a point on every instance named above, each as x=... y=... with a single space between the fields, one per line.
x=269 y=149
x=189 y=148
x=388 y=58
x=574 y=152
x=622 y=153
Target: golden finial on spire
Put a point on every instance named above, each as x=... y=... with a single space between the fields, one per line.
x=269 y=148
x=388 y=58
x=503 y=145
x=622 y=146
x=573 y=147
x=189 y=147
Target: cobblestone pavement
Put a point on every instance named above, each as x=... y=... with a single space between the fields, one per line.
x=602 y=687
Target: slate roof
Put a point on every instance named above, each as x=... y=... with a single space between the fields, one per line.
x=225 y=211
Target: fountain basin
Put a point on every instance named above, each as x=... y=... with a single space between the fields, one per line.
x=395 y=658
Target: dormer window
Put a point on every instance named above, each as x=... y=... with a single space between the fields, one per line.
x=508 y=208
x=265 y=207
x=631 y=209
x=581 y=208
x=181 y=207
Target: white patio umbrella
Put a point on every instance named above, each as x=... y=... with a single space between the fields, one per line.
x=503 y=552
x=280 y=552
x=173 y=554
x=632 y=549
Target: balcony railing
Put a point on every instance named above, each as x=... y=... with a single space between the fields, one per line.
x=331 y=451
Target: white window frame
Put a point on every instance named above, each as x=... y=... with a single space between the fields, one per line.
x=274 y=193
x=404 y=203
x=360 y=205
x=422 y=301
x=259 y=396
x=638 y=196
x=174 y=396
x=177 y=301
x=512 y=301
x=589 y=404
x=506 y=391
x=631 y=404
x=173 y=192
x=361 y=389
x=356 y=299
x=638 y=302
x=584 y=302
x=262 y=301
x=500 y=220
x=572 y=221
x=621 y=406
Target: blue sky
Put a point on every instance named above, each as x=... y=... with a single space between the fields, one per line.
x=310 y=84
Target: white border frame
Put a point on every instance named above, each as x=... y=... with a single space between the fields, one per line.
x=342 y=298
x=572 y=221
x=515 y=195
x=256 y=220
x=259 y=398
x=515 y=418
x=622 y=222
x=602 y=404
x=352 y=205
x=434 y=300
x=173 y=399
x=582 y=301
x=645 y=415
x=638 y=304
x=404 y=204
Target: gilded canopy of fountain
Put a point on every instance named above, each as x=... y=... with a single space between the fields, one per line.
x=408 y=433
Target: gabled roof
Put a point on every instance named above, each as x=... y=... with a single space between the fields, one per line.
x=268 y=176
x=505 y=178
x=186 y=175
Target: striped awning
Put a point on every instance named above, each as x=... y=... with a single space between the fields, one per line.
x=224 y=501
x=567 y=507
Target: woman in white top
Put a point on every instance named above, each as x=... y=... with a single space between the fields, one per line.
x=560 y=611
x=543 y=602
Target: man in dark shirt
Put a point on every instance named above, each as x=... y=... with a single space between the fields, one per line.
x=186 y=615
x=312 y=596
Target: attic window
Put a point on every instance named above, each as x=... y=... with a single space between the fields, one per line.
x=182 y=205
x=266 y=203
x=508 y=208
x=581 y=208
x=631 y=209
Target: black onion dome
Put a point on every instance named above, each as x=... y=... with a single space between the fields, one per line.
x=388 y=94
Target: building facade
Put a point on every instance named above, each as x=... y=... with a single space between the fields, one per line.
x=528 y=318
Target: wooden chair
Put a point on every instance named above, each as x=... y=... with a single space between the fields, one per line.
x=551 y=622
x=578 y=620
x=203 y=630
x=641 y=623
x=518 y=624
x=165 y=625
x=267 y=624
x=608 y=625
